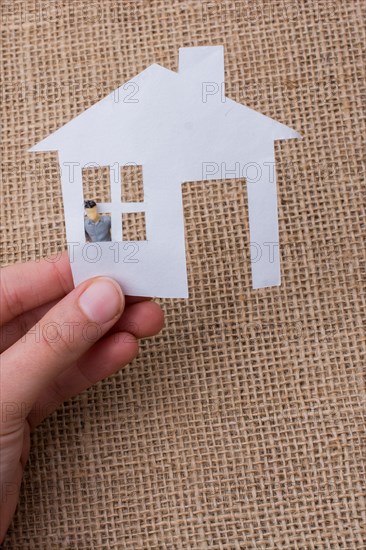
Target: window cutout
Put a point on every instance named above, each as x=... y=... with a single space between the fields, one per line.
x=98 y=232
x=96 y=184
x=133 y=226
x=132 y=188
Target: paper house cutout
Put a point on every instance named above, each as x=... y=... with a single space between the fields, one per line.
x=179 y=127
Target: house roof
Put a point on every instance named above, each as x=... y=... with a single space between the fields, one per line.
x=158 y=100
x=117 y=100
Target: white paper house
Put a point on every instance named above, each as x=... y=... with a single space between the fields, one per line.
x=180 y=127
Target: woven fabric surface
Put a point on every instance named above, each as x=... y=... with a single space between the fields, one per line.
x=241 y=426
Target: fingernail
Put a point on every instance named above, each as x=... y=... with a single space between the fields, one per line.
x=101 y=301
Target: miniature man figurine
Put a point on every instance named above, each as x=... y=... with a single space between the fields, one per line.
x=97 y=227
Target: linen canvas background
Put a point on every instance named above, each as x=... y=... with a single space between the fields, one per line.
x=241 y=425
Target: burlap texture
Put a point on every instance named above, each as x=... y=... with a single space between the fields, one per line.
x=241 y=425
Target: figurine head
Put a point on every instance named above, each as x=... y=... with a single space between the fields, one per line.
x=91 y=210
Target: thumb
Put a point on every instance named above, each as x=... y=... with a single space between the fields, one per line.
x=63 y=335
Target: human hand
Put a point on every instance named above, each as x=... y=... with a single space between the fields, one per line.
x=57 y=341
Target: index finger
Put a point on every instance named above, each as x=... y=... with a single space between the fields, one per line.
x=25 y=286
